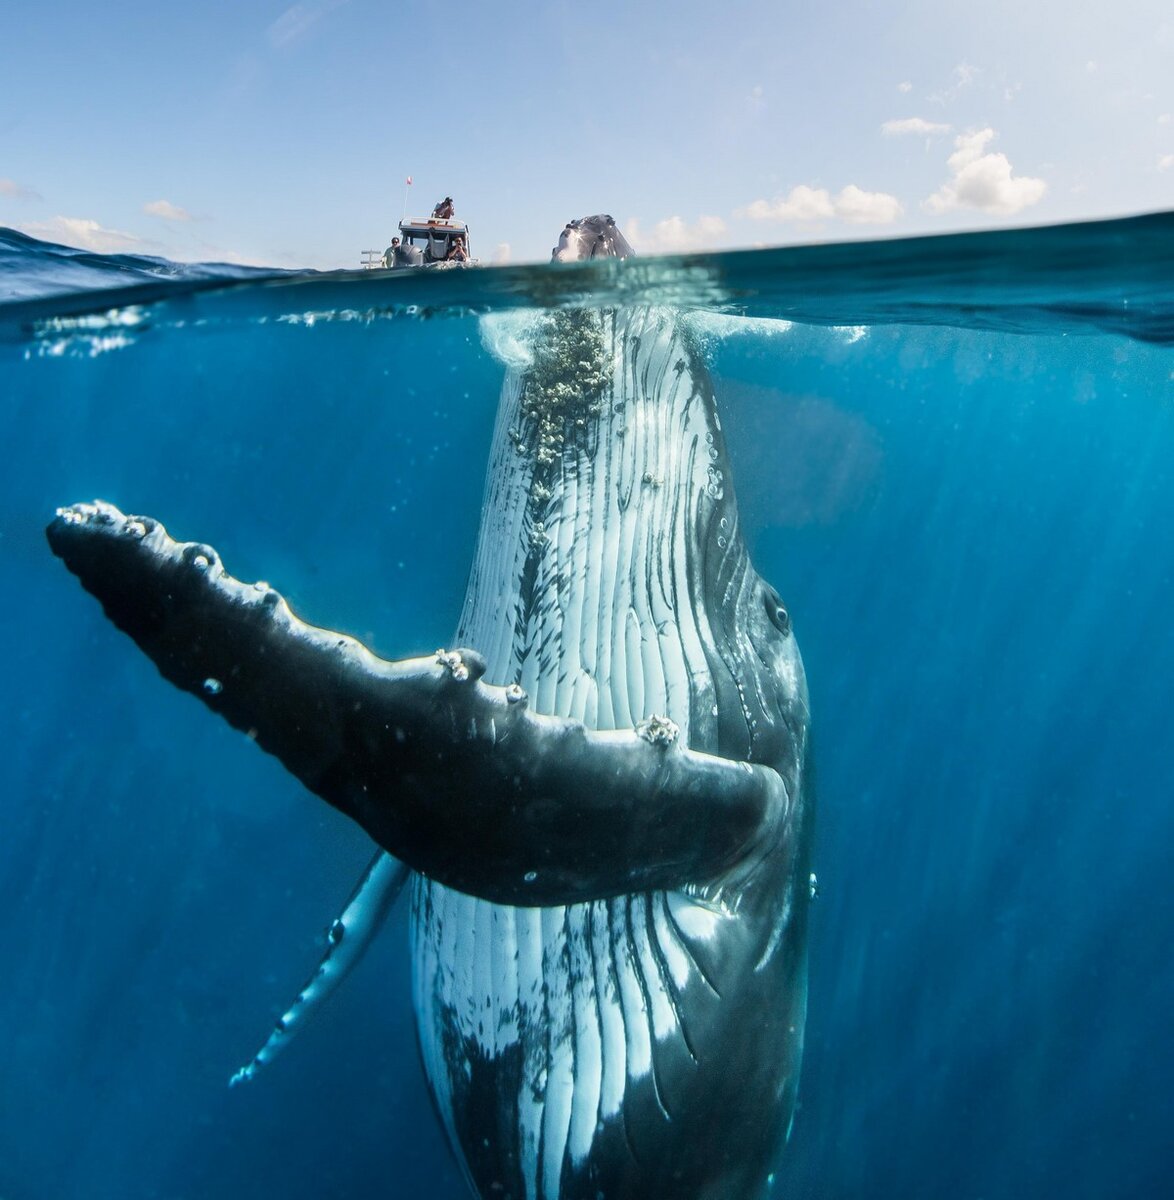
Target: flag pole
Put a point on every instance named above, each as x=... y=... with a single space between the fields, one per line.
x=407 y=184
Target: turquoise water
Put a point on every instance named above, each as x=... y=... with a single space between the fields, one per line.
x=953 y=458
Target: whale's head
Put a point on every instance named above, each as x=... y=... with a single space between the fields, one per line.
x=591 y=237
x=630 y=588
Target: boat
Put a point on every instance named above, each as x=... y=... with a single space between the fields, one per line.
x=423 y=242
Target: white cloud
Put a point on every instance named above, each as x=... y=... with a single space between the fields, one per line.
x=1166 y=119
x=859 y=207
x=218 y=254
x=1165 y=162
x=166 y=210
x=804 y=203
x=756 y=101
x=502 y=253
x=914 y=125
x=295 y=22
x=675 y=236
x=964 y=76
x=905 y=86
x=85 y=234
x=18 y=191
x=982 y=180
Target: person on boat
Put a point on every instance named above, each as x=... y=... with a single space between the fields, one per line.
x=444 y=210
x=457 y=251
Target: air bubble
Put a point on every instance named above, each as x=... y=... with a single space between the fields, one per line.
x=530 y=876
x=213 y=686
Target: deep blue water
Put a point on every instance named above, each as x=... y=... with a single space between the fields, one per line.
x=956 y=463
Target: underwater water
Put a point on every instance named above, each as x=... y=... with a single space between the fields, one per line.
x=954 y=458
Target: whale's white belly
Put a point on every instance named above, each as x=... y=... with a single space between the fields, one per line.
x=583 y=598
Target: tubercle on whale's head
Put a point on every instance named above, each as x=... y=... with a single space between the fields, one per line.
x=591 y=237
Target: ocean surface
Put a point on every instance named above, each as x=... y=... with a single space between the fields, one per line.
x=954 y=459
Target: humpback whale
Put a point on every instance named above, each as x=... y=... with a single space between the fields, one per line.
x=601 y=797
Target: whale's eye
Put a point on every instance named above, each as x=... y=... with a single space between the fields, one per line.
x=776 y=610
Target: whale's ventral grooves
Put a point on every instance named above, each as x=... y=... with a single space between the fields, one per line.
x=649 y=1044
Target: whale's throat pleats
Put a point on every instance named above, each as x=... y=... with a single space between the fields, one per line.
x=607 y=526
x=602 y=470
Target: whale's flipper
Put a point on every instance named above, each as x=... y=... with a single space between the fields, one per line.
x=453 y=776
x=346 y=942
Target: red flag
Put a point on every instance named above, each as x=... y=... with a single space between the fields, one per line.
x=409 y=181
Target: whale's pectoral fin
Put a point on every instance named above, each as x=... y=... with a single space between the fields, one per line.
x=346 y=942
x=453 y=776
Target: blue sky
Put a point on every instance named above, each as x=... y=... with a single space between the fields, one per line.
x=282 y=134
